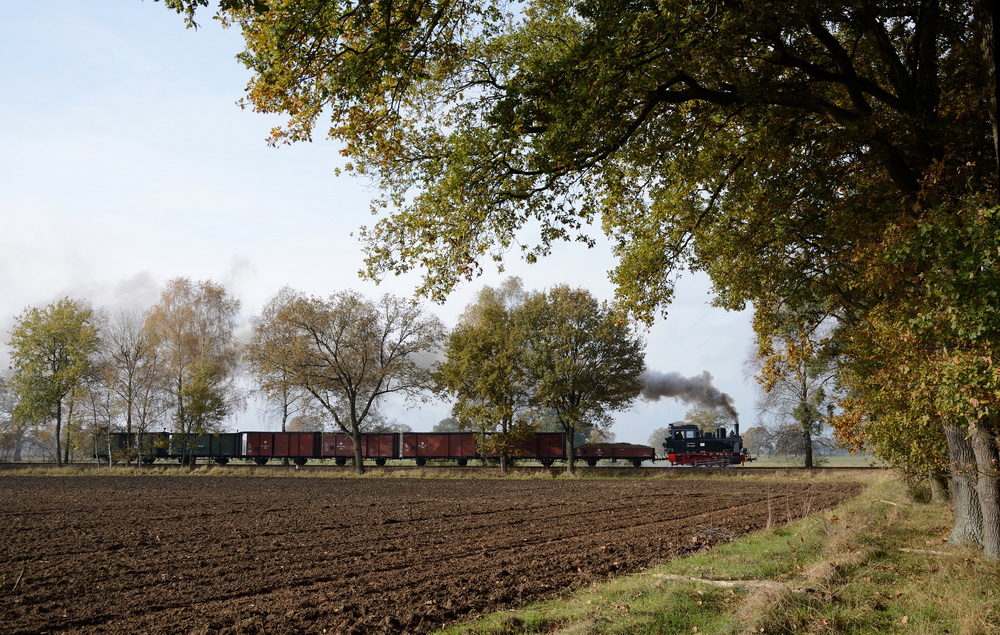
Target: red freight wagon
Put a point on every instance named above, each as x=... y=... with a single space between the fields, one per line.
x=546 y=447
x=380 y=447
x=460 y=446
x=299 y=446
x=631 y=452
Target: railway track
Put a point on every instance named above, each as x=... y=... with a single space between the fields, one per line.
x=604 y=470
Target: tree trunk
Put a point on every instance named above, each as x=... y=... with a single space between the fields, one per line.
x=570 y=454
x=18 y=443
x=359 y=462
x=59 y=433
x=503 y=464
x=128 y=437
x=939 y=486
x=967 y=524
x=807 y=439
x=984 y=447
x=284 y=425
x=69 y=425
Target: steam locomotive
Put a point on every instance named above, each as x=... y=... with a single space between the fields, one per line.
x=458 y=448
x=687 y=445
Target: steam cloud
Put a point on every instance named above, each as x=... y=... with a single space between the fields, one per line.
x=698 y=390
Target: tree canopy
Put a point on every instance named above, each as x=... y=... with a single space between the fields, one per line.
x=270 y=358
x=745 y=139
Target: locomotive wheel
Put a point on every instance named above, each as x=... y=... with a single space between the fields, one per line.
x=545 y=462
x=380 y=461
x=260 y=460
x=300 y=460
x=636 y=462
x=463 y=462
x=341 y=461
x=221 y=460
x=421 y=462
x=592 y=462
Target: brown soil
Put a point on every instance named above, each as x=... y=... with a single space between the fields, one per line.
x=310 y=555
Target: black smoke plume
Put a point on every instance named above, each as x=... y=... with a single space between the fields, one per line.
x=695 y=390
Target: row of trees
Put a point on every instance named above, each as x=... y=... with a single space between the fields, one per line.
x=514 y=358
x=832 y=160
x=176 y=361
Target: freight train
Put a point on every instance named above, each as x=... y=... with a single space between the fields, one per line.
x=688 y=445
x=458 y=448
x=685 y=445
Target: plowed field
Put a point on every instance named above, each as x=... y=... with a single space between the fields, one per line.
x=300 y=555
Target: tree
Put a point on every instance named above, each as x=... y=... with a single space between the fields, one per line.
x=269 y=356
x=796 y=371
x=85 y=408
x=601 y=435
x=205 y=404
x=758 y=440
x=12 y=430
x=50 y=354
x=448 y=424
x=191 y=330
x=680 y=125
x=128 y=370
x=485 y=370
x=306 y=422
x=707 y=419
x=657 y=438
x=581 y=358
x=922 y=366
x=349 y=353
x=386 y=427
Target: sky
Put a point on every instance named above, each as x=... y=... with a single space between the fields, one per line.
x=126 y=162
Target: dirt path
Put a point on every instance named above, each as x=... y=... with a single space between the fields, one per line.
x=300 y=555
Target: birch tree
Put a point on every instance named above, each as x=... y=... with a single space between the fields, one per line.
x=129 y=373
x=191 y=331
